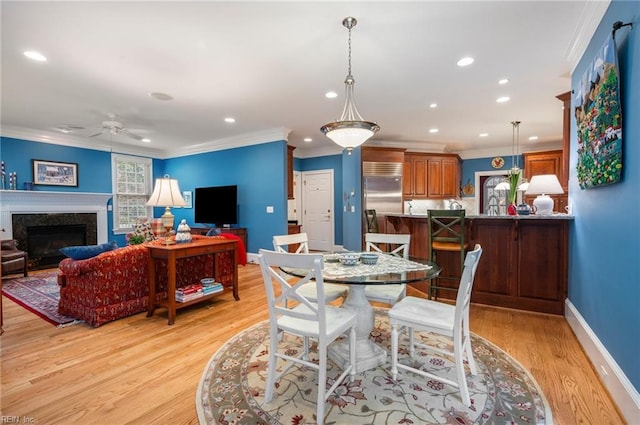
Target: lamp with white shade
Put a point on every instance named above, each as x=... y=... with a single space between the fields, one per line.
x=544 y=185
x=166 y=193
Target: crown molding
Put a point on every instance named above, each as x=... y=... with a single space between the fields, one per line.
x=590 y=18
x=247 y=139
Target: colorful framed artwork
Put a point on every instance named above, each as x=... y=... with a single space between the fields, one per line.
x=52 y=173
x=599 y=121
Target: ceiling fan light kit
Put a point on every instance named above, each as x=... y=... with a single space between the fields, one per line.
x=350 y=130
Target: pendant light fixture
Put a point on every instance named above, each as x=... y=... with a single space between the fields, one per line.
x=350 y=130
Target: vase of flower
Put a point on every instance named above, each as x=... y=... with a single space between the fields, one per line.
x=514 y=181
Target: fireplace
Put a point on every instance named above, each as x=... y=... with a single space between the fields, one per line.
x=44 y=243
x=20 y=209
x=42 y=235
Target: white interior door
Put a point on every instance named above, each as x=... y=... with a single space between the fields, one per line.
x=318 y=210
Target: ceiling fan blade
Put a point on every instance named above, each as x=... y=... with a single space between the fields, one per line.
x=133 y=136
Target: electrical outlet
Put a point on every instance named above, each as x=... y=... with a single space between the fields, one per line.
x=604 y=372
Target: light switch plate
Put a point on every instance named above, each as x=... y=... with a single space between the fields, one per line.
x=270 y=209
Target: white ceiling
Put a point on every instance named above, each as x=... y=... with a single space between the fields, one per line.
x=269 y=64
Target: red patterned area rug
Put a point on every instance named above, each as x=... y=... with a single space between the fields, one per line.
x=39 y=294
x=231 y=389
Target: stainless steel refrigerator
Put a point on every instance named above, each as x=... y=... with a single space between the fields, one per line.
x=382 y=187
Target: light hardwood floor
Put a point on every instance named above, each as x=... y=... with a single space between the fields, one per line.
x=139 y=370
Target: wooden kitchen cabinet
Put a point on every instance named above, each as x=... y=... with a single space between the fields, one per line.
x=414 y=176
x=290 y=192
x=431 y=176
x=524 y=263
x=547 y=162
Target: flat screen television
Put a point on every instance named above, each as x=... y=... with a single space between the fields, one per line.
x=217 y=205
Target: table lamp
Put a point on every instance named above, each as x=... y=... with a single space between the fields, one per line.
x=166 y=193
x=544 y=185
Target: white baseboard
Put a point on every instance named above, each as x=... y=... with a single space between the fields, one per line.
x=624 y=395
x=252 y=257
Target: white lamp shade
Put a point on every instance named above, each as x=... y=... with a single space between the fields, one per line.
x=544 y=184
x=349 y=137
x=502 y=186
x=166 y=193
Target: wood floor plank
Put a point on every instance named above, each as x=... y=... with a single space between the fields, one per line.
x=139 y=370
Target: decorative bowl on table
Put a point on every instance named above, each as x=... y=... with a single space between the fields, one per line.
x=349 y=259
x=369 y=258
x=207 y=281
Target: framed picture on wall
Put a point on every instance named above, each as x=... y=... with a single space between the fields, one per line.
x=188 y=198
x=55 y=173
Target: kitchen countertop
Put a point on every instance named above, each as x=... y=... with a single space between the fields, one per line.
x=556 y=216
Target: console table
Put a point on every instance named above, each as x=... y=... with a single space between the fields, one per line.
x=171 y=253
x=241 y=232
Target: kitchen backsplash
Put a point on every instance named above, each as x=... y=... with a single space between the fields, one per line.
x=420 y=206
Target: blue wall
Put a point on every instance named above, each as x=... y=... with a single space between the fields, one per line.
x=352 y=188
x=259 y=171
x=94 y=167
x=331 y=162
x=604 y=271
x=471 y=166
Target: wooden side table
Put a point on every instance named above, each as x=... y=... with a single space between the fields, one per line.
x=171 y=253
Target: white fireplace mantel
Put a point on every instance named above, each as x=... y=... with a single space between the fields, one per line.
x=37 y=202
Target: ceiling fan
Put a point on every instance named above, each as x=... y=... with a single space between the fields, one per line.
x=115 y=127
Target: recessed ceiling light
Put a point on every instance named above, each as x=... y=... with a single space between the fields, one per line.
x=229 y=120
x=160 y=96
x=433 y=130
x=533 y=138
x=36 y=56
x=331 y=95
x=503 y=99
x=503 y=81
x=308 y=139
x=145 y=140
x=484 y=135
x=433 y=105
x=465 y=61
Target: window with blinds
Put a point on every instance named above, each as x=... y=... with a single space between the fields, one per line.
x=132 y=185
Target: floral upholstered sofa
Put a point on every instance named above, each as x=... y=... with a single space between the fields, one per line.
x=115 y=284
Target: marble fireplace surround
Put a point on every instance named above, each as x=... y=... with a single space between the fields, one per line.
x=36 y=202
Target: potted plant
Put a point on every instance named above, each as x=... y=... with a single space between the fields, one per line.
x=135 y=239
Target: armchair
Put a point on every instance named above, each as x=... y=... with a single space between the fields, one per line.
x=13 y=260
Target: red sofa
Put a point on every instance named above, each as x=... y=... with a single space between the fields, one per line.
x=115 y=284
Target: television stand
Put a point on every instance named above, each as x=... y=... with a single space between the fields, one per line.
x=241 y=232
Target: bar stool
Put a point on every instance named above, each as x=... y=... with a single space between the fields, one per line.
x=371 y=219
x=446 y=233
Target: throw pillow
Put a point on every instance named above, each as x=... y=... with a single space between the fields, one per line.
x=145 y=230
x=157 y=227
x=89 y=251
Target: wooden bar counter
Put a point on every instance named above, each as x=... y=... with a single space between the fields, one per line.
x=524 y=263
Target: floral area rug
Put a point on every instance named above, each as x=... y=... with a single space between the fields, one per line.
x=231 y=390
x=39 y=294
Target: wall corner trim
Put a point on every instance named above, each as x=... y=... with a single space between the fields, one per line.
x=624 y=395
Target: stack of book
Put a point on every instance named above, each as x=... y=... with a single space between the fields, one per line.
x=211 y=288
x=197 y=290
x=188 y=293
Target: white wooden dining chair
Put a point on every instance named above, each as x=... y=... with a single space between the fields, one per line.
x=332 y=291
x=419 y=314
x=307 y=319
x=396 y=245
